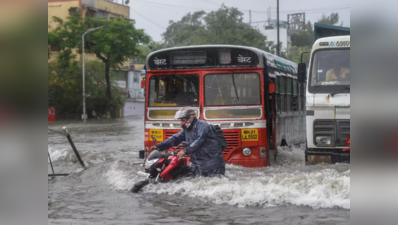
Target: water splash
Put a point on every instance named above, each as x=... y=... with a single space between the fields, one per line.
x=286 y=183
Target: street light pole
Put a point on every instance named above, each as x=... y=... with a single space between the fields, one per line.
x=84 y=115
x=277 y=27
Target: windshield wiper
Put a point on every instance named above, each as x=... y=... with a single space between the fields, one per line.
x=333 y=93
x=233 y=82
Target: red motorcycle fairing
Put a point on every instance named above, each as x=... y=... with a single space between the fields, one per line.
x=175 y=161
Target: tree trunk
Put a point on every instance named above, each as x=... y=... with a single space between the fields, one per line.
x=109 y=91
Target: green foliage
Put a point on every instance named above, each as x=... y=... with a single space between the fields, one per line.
x=303 y=40
x=65 y=89
x=113 y=44
x=304 y=37
x=224 y=26
x=295 y=54
x=330 y=20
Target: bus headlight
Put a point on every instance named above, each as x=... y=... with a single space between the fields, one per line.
x=247 y=151
x=323 y=140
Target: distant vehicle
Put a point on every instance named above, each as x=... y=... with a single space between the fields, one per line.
x=251 y=94
x=325 y=30
x=328 y=100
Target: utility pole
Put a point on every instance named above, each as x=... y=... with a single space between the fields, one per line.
x=250 y=17
x=277 y=27
x=84 y=115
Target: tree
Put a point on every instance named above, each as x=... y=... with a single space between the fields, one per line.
x=305 y=37
x=296 y=51
x=114 y=44
x=303 y=40
x=330 y=20
x=224 y=26
x=147 y=49
x=65 y=88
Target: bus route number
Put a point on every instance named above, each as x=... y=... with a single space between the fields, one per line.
x=249 y=135
x=158 y=135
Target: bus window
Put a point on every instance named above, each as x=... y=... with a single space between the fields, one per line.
x=277 y=88
x=233 y=113
x=283 y=93
x=221 y=91
x=289 y=85
x=174 y=90
x=295 y=88
x=295 y=95
x=289 y=94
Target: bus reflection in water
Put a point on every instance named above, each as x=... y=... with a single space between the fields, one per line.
x=253 y=95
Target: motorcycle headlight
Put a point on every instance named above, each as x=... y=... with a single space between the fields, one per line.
x=149 y=163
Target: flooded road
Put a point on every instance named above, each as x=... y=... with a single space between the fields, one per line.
x=287 y=193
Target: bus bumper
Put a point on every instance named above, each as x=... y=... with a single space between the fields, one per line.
x=318 y=155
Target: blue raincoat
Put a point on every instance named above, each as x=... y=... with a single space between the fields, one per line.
x=204 y=149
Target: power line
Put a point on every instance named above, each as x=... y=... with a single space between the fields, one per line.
x=163 y=7
x=316 y=9
x=308 y=11
x=211 y=2
x=171 y=5
x=186 y=7
x=148 y=19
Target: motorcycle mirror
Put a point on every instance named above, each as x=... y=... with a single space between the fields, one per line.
x=154 y=139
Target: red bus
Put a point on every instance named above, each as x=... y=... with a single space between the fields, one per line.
x=251 y=94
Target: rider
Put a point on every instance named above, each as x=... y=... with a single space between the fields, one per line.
x=204 y=149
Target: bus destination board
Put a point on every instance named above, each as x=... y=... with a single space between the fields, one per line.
x=188 y=58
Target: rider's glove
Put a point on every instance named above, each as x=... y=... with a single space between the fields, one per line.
x=187 y=150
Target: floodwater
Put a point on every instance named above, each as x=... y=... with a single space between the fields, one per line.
x=287 y=193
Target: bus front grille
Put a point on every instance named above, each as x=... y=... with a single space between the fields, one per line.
x=169 y=134
x=232 y=139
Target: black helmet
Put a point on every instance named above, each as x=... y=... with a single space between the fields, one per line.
x=187 y=113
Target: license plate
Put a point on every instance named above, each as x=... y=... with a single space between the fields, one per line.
x=249 y=135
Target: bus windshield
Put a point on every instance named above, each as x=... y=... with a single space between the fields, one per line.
x=232 y=89
x=174 y=90
x=330 y=71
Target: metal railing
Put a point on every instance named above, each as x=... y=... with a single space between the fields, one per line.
x=65 y=133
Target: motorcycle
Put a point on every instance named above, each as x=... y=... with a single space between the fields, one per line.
x=162 y=167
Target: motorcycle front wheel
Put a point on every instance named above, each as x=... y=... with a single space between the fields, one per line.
x=139 y=185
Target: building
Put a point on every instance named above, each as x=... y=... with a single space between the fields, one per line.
x=87 y=8
x=106 y=9
x=269 y=29
x=135 y=103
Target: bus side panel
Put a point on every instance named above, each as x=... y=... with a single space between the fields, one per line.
x=290 y=129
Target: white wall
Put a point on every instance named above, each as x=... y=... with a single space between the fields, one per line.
x=134 y=109
x=134 y=85
x=272 y=35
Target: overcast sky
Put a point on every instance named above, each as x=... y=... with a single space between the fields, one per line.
x=154 y=15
